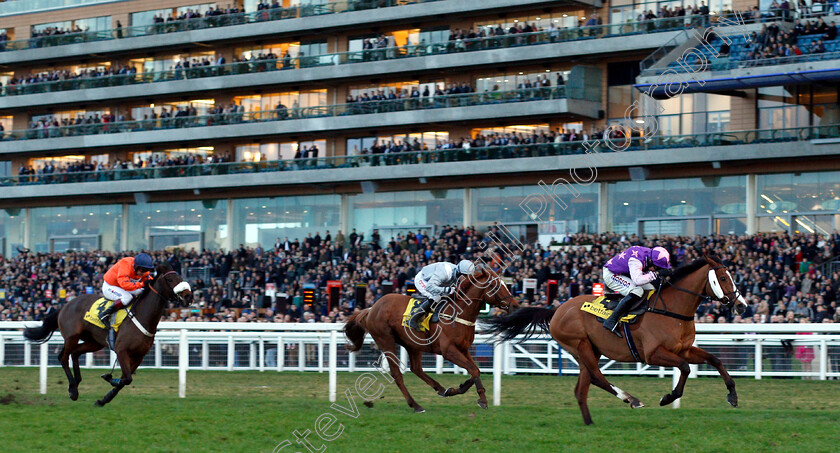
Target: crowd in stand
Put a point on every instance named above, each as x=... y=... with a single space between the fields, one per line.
x=156 y=160
x=780 y=275
x=771 y=42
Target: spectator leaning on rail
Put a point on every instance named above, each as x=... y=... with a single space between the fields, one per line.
x=123 y=281
x=634 y=262
x=435 y=281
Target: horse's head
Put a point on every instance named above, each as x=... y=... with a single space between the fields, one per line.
x=722 y=287
x=170 y=285
x=490 y=287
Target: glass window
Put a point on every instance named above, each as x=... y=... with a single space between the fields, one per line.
x=260 y=221
x=505 y=205
x=800 y=192
x=11 y=231
x=58 y=229
x=188 y=224
x=406 y=209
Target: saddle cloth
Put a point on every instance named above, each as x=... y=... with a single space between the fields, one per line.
x=603 y=306
x=101 y=304
x=424 y=323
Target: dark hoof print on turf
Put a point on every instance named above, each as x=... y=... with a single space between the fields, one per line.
x=369 y=404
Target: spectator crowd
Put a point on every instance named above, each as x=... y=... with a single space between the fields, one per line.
x=780 y=275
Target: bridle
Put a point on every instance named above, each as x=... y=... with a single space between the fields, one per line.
x=174 y=290
x=728 y=299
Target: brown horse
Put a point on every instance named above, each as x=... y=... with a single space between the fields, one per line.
x=133 y=341
x=451 y=337
x=663 y=336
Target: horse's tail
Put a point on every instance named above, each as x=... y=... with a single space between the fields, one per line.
x=355 y=330
x=525 y=320
x=43 y=333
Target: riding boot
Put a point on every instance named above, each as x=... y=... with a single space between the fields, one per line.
x=419 y=313
x=105 y=316
x=623 y=306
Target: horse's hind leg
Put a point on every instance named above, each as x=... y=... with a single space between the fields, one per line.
x=389 y=349
x=664 y=357
x=82 y=349
x=70 y=344
x=582 y=392
x=416 y=363
x=698 y=356
x=587 y=358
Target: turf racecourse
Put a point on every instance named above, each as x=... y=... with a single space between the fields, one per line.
x=252 y=411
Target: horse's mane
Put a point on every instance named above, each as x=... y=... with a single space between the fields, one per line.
x=688 y=268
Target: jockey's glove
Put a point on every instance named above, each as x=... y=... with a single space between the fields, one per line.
x=666 y=272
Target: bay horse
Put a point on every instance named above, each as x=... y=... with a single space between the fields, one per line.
x=451 y=337
x=134 y=339
x=664 y=335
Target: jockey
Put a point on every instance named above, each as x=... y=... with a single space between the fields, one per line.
x=123 y=281
x=435 y=281
x=626 y=273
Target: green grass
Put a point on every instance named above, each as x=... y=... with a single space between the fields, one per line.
x=252 y=411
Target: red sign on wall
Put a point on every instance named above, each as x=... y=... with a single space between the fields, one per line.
x=598 y=289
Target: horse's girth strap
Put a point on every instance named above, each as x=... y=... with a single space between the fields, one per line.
x=458 y=320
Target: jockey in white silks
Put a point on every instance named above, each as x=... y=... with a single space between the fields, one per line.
x=630 y=273
x=435 y=281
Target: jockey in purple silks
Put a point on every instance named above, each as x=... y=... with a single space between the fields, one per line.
x=629 y=273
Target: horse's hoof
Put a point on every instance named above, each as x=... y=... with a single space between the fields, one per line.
x=107 y=377
x=482 y=404
x=447 y=393
x=98 y=403
x=369 y=404
x=74 y=395
x=733 y=399
x=636 y=404
x=419 y=410
x=666 y=400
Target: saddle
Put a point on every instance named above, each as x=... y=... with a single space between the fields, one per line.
x=96 y=309
x=603 y=306
x=413 y=303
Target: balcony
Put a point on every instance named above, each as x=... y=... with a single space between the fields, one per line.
x=517 y=48
x=321 y=119
x=244 y=26
x=752 y=145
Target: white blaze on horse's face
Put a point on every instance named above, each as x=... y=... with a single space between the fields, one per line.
x=715 y=284
x=181 y=287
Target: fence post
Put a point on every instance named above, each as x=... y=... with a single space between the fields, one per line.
x=252 y=355
x=321 y=353
x=301 y=356
x=439 y=364
x=758 y=354
x=2 y=351
x=823 y=360
x=403 y=357
x=205 y=355
x=676 y=403
x=261 y=362
x=158 y=357
x=498 y=358
x=43 y=360
x=351 y=362
x=231 y=353
x=183 y=362
x=27 y=354
x=89 y=360
x=333 y=360
x=281 y=353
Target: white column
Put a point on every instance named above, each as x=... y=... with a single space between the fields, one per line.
x=604 y=224
x=231 y=357
x=124 y=227
x=183 y=363
x=758 y=358
x=823 y=360
x=43 y=370
x=27 y=228
x=281 y=353
x=320 y=355
x=344 y=215
x=227 y=244
x=158 y=358
x=205 y=355
x=469 y=218
x=333 y=360
x=498 y=358
x=439 y=364
x=27 y=354
x=752 y=203
x=261 y=362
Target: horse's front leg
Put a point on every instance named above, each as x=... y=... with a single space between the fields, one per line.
x=698 y=356
x=126 y=367
x=664 y=357
x=465 y=361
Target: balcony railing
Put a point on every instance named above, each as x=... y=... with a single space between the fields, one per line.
x=431 y=156
x=727 y=64
x=362 y=56
x=282 y=114
x=223 y=20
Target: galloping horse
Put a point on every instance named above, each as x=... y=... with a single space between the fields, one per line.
x=133 y=341
x=663 y=336
x=450 y=339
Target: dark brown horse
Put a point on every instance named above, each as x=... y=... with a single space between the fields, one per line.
x=663 y=336
x=451 y=337
x=133 y=341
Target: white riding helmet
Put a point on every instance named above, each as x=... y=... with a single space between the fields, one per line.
x=466 y=267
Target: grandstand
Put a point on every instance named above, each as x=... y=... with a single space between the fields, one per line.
x=134 y=124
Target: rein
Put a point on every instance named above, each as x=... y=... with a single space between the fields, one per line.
x=664 y=312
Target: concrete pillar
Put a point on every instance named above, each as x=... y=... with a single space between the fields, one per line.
x=344 y=215
x=752 y=203
x=604 y=224
x=227 y=243
x=27 y=228
x=469 y=215
x=124 y=229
